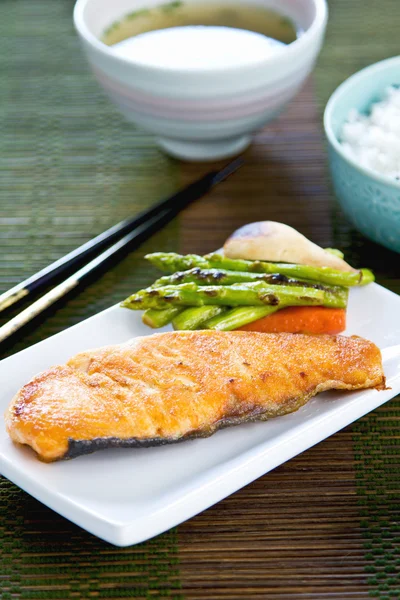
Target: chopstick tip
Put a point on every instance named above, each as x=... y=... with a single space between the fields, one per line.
x=228 y=170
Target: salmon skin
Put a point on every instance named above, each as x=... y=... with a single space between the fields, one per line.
x=170 y=387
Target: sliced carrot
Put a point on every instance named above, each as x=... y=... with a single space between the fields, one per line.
x=301 y=319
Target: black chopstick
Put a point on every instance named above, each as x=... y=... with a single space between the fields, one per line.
x=127 y=243
x=177 y=202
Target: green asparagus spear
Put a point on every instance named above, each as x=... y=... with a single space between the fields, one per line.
x=223 y=277
x=335 y=252
x=320 y=274
x=237 y=317
x=250 y=294
x=336 y=297
x=171 y=262
x=159 y=318
x=193 y=318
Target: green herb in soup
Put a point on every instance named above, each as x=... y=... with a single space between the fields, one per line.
x=180 y=14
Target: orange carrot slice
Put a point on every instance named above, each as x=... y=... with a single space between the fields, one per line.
x=301 y=319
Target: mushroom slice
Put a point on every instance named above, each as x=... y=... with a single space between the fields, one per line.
x=277 y=242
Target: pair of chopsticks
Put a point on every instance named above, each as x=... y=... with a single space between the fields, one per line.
x=130 y=234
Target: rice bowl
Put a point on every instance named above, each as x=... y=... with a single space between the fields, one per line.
x=369 y=199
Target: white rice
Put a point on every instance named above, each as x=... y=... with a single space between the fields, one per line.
x=373 y=140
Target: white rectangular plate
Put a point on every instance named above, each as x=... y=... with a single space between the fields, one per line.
x=126 y=496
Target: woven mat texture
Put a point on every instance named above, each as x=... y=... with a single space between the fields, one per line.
x=324 y=525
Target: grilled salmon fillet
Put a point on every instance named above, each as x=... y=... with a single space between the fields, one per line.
x=170 y=387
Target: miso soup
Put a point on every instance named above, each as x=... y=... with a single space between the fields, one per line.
x=180 y=14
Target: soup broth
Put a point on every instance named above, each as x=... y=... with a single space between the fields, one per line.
x=180 y=14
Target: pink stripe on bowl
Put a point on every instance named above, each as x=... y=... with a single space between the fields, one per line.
x=228 y=114
x=225 y=108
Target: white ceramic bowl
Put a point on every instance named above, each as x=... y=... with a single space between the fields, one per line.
x=202 y=114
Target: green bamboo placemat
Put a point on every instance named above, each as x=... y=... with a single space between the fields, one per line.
x=69 y=168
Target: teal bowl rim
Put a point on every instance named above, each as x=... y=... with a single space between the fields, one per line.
x=342 y=90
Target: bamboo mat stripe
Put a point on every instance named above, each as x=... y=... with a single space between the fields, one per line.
x=70 y=168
